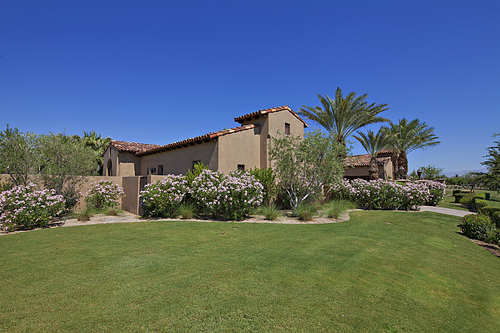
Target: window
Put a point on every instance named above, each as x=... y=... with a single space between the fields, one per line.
x=160 y=169
x=241 y=167
x=287 y=129
x=194 y=163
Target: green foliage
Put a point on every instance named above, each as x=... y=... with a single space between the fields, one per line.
x=344 y=115
x=19 y=155
x=373 y=143
x=335 y=208
x=479 y=204
x=267 y=178
x=270 y=211
x=186 y=210
x=477 y=226
x=456 y=191
x=25 y=207
x=431 y=172
x=85 y=215
x=459 y=197
x=492 y=163
x=65 y=161
x=305 y=212
x=162 y=198
x=104 y=194
x=303 y=167
x=468 y=199
x=495 y=218
x=409 y=136
x=98 y=144
x=191 y=175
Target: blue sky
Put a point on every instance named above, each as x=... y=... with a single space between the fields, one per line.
x=163 y=71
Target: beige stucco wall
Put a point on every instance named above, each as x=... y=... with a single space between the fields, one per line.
x=363 y=172
x=180 y=160
x=111 y=154
x=239 y=148
x=130 y=164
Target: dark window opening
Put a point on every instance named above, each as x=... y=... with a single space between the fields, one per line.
x=241 y=167
x=160 y=169
x=110 y=168
x=287 y=128
x=194 y=163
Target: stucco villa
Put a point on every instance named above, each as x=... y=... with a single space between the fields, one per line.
x=358 y=165
x=243 y=147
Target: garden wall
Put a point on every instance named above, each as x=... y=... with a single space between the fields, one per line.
x=132 y=185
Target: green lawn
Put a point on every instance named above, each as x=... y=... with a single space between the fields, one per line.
x=379 y=272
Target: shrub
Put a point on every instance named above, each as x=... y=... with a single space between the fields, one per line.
x=489 y=211
x=26 y=207
x=71 y=196
x=495 y=218
x=459 y=197
x=456 y=192
x=305 y=212
x=162 y=198
x=335 y=208
x=487 y=196
x=493 y=236
x=186 y=210
x=104 y=194
x=380 y=194
x=477 y=226
x=467 y=200
x=479 y=204
x=271 y=212
x=437 y=191
x=268 y=180
x=231 y=196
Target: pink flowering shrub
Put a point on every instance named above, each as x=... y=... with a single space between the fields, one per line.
x=26 y=207
x=162 y=198
x=380 y=194
x=437 y=191
x=104 y=194
x=231 y=195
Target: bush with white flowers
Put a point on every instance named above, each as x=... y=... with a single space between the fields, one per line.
x=162 y=198
x=28 y=208
x=104 y=194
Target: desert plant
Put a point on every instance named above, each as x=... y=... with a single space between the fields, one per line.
x=270 y=211
x=161 y=199
x=186 y=210
x=336 y=208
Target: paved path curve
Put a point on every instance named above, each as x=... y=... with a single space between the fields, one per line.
x=447 y=211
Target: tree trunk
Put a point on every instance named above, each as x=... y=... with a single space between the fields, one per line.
x=403 y=162
x=373 y=171
x=394 y=159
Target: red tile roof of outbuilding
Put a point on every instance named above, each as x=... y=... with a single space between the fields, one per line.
x=240 y=119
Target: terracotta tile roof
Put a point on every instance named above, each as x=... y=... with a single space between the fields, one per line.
x=364 y=160
x=132 y=147
x=198 y=139
x=385 y=151
x=240 y=119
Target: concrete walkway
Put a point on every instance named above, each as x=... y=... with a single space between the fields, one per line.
x=447 y=211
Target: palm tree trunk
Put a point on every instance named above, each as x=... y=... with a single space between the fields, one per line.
x=394 y=159
x=373 y=171
x=403 y=162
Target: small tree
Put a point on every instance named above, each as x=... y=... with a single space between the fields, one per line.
x=431 y=172
x=19 y=155
x=304 y=166
x=65 y=162
x=373 y=143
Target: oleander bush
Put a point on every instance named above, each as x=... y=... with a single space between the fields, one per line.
x=163 y=197
x=380 y=194
x=104 y=194
x=232 y=196
x=437 y=192
x=25 y=207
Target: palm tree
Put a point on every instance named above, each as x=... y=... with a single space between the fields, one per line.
x=373 y=143
x=342 y=116
x=407 y=137
x=98 y=144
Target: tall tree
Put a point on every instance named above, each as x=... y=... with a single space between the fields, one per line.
x=407 y=137
x=492 y=178
x=344 y=115
x=373 y=143
x=98 y=144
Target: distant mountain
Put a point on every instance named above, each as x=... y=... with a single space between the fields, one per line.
x=452 y=174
